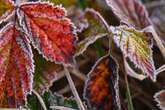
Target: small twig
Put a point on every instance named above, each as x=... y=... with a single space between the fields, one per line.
x=78 y=74
x=61 y=108
x=40 y=100
x=73 y=88
x=160 y=69
x=156 y=38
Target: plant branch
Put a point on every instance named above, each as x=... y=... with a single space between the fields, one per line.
x=73 y=88
x=40 y=100
x=61 y=108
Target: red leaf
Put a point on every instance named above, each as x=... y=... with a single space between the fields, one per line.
x=50 y=31
x=101 y=89
x=130 y=12
x=15 y=67
x=6 y=9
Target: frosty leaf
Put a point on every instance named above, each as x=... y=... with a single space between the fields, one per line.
x=160 y=98
x=96 y=29
x=45 y=73
x=130 y=12
x=158 y=19
x=52 y=100
x=65 y=3
x=101 y=89
x=135 y=45
x=6 y=8
x=49 y=30
x=131 y=72
x=15 y=67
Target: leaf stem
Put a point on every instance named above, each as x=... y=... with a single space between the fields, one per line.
x=40 y=100
x=73 y=88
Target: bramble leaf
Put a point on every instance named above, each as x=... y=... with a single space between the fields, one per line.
x=130 y=12
x=135 y=46
x=6 y=8
x=101 y=89
x=45 y=73
x=158 y=18
x=49 y=30
x=160 y=98
x=96 y=29
x=16 y=67
x=52 y=101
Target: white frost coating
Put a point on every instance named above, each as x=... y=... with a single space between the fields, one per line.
x=115 y=81
x=88 y=41
x=132 y=73
x=29 y=56
x=161 y=103
x=24 y=22
x=121 y=38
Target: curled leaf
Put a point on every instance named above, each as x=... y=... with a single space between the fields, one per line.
x=131 y=72
x=135 y=46
x=158 y=18
x=160 y=98
x=6 y=8
x=16 y=67
x=45 y=73
x=49 y=30
x=130 y=12
x=101 y=89
x=96 y=30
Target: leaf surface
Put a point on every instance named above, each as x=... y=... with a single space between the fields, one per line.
x=6 y=8
x=95 y=30
x=52 y=101
x=135 y=46
x=16 y=67
x=101 y=89
x=130 y=12
x=157 y=16
x=49 y=30
x=160 y=99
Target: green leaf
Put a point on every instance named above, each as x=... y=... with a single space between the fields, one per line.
x=96 y=30
x=51 y=101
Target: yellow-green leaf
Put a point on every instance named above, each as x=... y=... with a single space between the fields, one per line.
x=135 y=46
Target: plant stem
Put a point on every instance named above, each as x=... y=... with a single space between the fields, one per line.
x=128 y=94
x=73 y=88
x=40 y=100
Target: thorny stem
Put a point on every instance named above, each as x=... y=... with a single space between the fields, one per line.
x=40 y=100
x=156 y=38
x=73 y=89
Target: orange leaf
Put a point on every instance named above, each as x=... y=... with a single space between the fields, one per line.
x=49 y=30
x=15 y=67
x=101 y=89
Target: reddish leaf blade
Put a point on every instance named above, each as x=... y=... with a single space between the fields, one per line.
x=6 y=9
x=49 y=30
x=130 y=12
x=15 y=67
x=160 y=98
x=101 y=90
